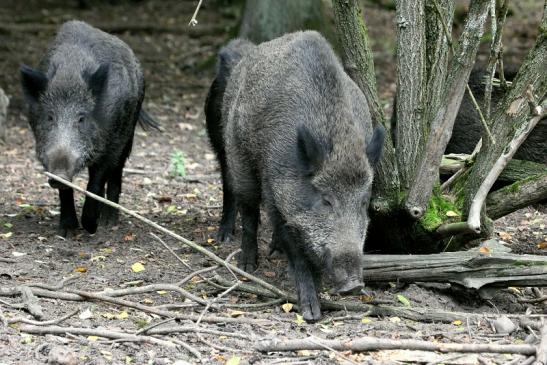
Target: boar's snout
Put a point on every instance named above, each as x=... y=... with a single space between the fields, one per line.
x=61 y=162
x=347 y=273
x=351 y=286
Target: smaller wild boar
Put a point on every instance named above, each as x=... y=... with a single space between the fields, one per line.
x=468 y=129
x=293 y=131
x=84 y=100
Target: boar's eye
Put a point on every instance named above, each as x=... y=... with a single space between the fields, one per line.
x=50 y=118
x=81 y=118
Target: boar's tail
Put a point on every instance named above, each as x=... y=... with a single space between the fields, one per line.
x=230 y=55
x=146 y=121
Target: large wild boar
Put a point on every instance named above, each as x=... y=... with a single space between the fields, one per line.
x=293 y=131
x=84 y=100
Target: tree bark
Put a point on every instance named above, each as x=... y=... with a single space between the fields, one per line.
x=441 y=127
x=264 y=20
x=359 y=64
x=412 y=125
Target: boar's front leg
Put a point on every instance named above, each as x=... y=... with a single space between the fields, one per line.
x=91 y=210
x=109 y=215
x=308 y=300
x=305 y=280
x=69 y=220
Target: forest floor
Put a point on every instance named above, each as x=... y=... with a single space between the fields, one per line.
x=178 y=68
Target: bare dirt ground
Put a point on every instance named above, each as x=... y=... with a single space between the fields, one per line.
x=177 y=66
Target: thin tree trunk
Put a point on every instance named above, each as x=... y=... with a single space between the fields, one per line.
x=441 y=127
x=412 y=127
x=264 y=20
x=359 y=63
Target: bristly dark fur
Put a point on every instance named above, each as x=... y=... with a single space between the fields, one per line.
x=84 y=100
x=292 y=131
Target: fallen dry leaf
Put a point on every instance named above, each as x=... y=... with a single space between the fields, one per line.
x=542 y=245
x=137 y=267
x=81 y=269
x=287 y=307
x=505 y=236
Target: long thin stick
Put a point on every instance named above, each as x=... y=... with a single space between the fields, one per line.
x=372 y=344
x=187 y=242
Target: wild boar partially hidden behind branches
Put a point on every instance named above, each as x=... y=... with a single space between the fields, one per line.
x=293 y=131
x=84 y=100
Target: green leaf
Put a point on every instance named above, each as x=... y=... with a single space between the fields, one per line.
x=401 y=298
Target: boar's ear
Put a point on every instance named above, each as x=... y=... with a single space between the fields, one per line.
x=311 y=153
x=376 y=145
x=97 y=80
x=34 y=83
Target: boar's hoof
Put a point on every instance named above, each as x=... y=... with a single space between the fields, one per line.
x=89 y=224
x=225 y=234
x=247 y=263
x=310 y=309
x=109 y=216
x=66 y=226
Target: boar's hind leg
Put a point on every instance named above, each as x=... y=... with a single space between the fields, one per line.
x=109 y=215
x=229 y=206
x=91 y=210
x=69 y=220
x=249 y=247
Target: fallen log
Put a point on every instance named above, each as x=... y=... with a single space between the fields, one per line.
x=471 y=269
x=514 y=171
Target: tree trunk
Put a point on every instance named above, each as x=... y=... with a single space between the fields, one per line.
x=264 y=20
x=4 y=102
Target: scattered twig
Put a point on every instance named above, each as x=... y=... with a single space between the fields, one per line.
x=7 y=260
x=57 y=330
x=187 y=242
x=58 y=286
x=195 y=329
x=541 y=352
x=373 y=344
x=474 y=218
x=196 y=273
x=103 y=296
x=210 y=303
x=32 y=304
x=43 y=323
x=149 y=327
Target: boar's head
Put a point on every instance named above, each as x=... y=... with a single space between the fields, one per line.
x=64 y=114
x=327 y=214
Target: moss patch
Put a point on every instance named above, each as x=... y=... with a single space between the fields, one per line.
x=437 y=212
